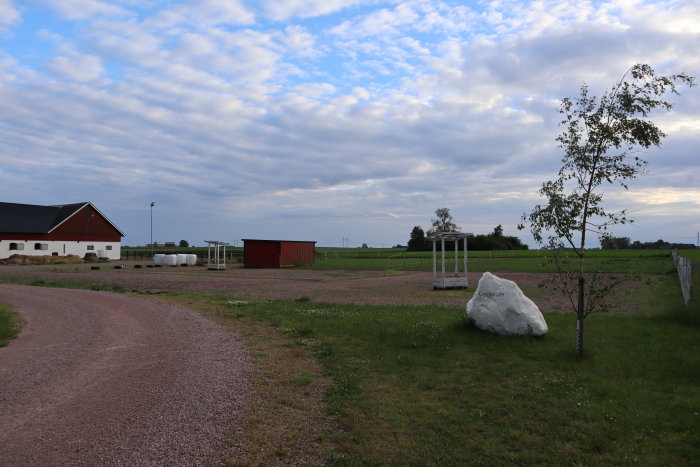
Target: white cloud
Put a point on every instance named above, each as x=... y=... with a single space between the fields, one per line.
x=282 y=10
x=203 y=14
x=77 y=67
x=299 y=42
x=381 y=22
x=84 y=9
x=9 y=14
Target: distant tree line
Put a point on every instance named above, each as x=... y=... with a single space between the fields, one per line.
x=625 y=243
x=493 y=241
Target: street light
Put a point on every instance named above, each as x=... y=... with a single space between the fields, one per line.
x=152 y=204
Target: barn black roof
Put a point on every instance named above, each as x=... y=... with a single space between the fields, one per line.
x=31 y=218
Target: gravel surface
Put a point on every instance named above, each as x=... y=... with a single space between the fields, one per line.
x=98 y=378
x=349 y=287
x=346 y=287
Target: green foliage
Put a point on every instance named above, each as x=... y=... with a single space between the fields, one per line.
x=615 y=243
x=184 y=244
x=443 y=223
x=495 y=241
x=417 y=242
x=9 y=325
x=492 y=241
x=608 y=242
x=601 y=138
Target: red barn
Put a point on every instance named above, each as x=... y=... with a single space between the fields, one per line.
x=66 y=229
x=277 y=253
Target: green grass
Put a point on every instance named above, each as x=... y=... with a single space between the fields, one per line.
x=9 y=324
x=619 y=261
x=68 y=284
x=694 y=256
x=373 y=259
x=421 y=386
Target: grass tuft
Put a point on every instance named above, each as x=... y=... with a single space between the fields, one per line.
x=10 y=325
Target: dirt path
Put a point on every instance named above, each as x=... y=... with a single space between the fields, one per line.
x=350 y=287
x=107 y=379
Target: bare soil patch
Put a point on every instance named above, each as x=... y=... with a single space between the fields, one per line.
x=343 y=287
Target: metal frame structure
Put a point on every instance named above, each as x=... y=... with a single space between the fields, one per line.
x=457 y=280
x=218 y=261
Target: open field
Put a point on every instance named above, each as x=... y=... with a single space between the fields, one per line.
x=404 y=380
x=380 y=259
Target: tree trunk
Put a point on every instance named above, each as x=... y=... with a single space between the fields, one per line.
x=580 y=315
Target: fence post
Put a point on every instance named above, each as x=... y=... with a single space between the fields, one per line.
x=683 y=265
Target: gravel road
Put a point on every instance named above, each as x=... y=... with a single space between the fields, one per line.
x=97 y=378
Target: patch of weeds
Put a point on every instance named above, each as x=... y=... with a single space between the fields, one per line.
x=304 y=332
x=297 y=332
x=305 y=379
x=252 y=421
x=237 y=302
x=303 y=298
x=108 y=288
x=344 y=384
x=313 y=344
x=10 y=325
x=427 y=330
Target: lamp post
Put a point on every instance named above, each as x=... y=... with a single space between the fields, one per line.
x=152 y=204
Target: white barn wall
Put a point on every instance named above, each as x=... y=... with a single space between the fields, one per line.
x=61 y=248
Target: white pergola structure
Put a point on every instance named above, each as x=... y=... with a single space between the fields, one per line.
x=458 y=279
x=217 y=261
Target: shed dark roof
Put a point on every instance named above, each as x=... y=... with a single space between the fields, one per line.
x=31 y=218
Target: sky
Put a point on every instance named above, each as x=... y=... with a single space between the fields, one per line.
x=337 y=121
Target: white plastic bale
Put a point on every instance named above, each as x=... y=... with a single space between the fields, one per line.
x=191 y=259
x=181 y=259
x=158 y=259
x=170 y=260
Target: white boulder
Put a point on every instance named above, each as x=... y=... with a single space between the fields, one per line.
x=499 y=306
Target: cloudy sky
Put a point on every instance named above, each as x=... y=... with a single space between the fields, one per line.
x=328 y=119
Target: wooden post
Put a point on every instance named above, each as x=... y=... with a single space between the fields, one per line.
x=442 y=243
x=466 y=277
x=434 y=261
x=456 y=257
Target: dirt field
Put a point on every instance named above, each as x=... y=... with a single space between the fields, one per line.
x=355 y=287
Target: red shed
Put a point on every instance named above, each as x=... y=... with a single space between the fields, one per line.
x=277 y=253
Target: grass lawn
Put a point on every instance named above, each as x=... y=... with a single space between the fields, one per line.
x=421 y=386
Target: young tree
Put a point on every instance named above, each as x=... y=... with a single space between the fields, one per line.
x=184 y=244
x=601 y=138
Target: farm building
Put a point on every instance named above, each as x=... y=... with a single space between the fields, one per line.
x=277 y=253
x=67 y=229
